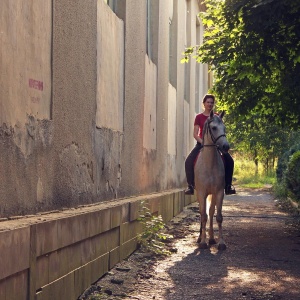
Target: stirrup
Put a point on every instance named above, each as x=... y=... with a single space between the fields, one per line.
x=189 y=190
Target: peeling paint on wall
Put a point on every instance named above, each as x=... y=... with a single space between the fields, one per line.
x=109 y=144
x=77 y=169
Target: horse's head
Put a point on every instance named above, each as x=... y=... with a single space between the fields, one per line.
x=214 y=132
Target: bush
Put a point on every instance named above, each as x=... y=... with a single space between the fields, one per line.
x=279 y=190
x=152 y=237
x=292 y=176
x=283 y=162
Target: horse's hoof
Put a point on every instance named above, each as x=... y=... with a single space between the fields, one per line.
x=203 y=246
x=212 y=241
x=221 y=247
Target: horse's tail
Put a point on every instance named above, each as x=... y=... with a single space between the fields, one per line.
x=208 y=203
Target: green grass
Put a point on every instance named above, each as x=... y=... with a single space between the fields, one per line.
x=245 y=175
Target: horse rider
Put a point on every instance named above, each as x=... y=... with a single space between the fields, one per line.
x=208 y=104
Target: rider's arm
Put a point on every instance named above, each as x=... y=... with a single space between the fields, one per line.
x=196 y=134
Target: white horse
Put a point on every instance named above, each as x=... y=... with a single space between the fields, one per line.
x=210 y=178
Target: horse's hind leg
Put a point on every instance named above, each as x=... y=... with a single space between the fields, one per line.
x=222 y=245
x=203 y=220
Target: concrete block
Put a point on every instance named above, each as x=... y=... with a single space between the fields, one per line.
x=178 y=203
x=129 y=231
x=44 y=293
x=46 y=236
x=42 y=271
x=54 y=266
x=79 y=283
x=188 y=199
x=134 y=210
x=66 y=287
x=87 y=273
x=166 y=207
x=116 y=216
x=128 y=248
x=113 y=240
x=73 y=229
x=99 y=267
x=100 y=244
x=15 y=251
x=125 y=213
x=3 y=289
x=114 y=257
x=17 y=286
x=86 y=251
x=60 y=289
x=99 y=221
x=154 y=205
x=74 y=253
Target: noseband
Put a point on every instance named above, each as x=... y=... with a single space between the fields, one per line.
x=212 y=136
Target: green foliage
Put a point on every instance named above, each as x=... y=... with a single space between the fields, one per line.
x=279 y=190
x=152 y=236
x=284 y=160
x=293 y=176
x=248 y=176
x=253 y=48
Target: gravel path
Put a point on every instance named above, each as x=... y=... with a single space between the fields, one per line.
x=262 y=259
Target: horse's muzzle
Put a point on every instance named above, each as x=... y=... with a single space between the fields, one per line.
x=225 y=147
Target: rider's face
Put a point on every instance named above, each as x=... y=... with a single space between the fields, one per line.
x=209 y=104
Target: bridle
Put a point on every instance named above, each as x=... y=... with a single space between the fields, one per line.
x=212 y=136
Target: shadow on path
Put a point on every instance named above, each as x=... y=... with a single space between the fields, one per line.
x=262 y=259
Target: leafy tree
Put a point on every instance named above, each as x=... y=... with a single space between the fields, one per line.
x=253 y=48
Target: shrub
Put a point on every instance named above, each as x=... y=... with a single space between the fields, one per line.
x=284 y=160
x=292 y=176
x=279 y=190
x=152 y=237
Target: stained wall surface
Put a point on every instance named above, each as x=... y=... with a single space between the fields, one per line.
x=94 y=102
x=96 y=116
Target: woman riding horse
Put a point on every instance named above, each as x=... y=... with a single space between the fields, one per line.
x=210 y=177
x=208 y=103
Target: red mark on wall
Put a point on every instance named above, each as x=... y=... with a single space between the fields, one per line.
x=36 y=84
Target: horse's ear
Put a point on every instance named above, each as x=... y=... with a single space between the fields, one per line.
x=222 y=114
x=211 y=115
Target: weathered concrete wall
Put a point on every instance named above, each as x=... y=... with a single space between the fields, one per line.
x=25 y=106
x=95 y=104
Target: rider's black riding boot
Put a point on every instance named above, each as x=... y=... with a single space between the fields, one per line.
x=230 y=190
x=189 y=190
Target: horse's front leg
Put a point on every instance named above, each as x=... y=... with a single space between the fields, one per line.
x=203 y=220
x=212 y=240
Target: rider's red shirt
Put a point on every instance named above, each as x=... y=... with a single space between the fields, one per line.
x=200 y=120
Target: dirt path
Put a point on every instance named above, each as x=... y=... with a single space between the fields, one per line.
x=262 y=259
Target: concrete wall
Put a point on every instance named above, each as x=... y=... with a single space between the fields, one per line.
x=93 y=101
x=95 y=106
x=60 y=254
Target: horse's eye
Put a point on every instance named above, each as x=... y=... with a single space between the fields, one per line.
x=214 y=127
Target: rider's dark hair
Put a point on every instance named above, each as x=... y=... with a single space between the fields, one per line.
x=208 y=96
